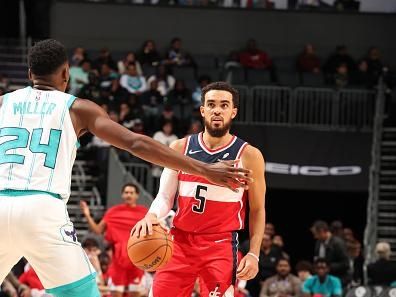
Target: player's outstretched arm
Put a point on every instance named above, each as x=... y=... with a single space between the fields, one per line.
x=87 y=116
x=253 y=159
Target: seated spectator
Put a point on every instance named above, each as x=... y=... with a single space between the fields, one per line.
x=269 y=256
x=270 y=229
x=308 y=61
x=30 y=279
x=322 y=283
x=91 y=248
x=91 y=90
x=126 y=117
x=105 y=58
x=203 y=81
x=372 y=67
x=383 y=271
x=304 y=270
x=129 y=59
x=331 y=248
x=176 y=56
x=278 y=242
x=168 y=114
x=165 y=81
x=152 y=104
x=149 y=55
x=341 y=56
x=132 y=81
x=12 y=287
x=341 y=77
x=79 y=55
x=108 y=82
x=337 y=229
x=356 y=261
x=4 y=82
x=79 y=76
x=252 y=57
x=181 y=102
x=166 y=137
x=348 y=235
x=283 y=284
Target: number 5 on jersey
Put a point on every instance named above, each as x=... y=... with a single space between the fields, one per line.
x=200 y=196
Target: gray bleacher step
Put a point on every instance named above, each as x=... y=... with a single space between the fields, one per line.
x=388 y=143
x=388 y=158
x=389 y=129
x=393 y=203
x=387 y=187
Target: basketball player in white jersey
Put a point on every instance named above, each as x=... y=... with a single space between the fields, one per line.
x=39 y=131
x=209 y=216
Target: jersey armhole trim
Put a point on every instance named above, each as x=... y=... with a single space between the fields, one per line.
x=70 y=101
x=186 y=144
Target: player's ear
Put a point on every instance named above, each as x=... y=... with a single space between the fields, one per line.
x=234 y=112
x=65 y=73
x=201 y=110
x=30 y=75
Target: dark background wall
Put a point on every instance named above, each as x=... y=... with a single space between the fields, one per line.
x=217 y=31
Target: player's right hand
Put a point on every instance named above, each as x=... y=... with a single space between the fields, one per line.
x=224 y=173
x=84 y=208
x=145 y=226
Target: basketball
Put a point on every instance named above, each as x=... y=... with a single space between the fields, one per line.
x=151 y=252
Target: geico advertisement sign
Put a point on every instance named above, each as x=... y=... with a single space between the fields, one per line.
x=312 y=170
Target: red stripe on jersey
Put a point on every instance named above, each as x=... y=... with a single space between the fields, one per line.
x=215 y=217
x=214 y=150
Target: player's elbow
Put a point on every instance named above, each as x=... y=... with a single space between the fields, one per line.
x=138 y=144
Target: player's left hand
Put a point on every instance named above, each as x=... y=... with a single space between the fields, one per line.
x=248 y=268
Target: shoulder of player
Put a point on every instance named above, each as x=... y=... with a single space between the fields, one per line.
x=179 y=145
x=85 y=105
x=251 y=154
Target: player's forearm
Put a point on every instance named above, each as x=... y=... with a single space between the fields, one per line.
x=256 y=228
x=152 y=151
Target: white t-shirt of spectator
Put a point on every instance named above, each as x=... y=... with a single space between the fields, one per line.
x=164 y=87
x=163 y=138
x=133 y=84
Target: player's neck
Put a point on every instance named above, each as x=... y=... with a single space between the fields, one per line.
x=216 y=142
x=46 y=85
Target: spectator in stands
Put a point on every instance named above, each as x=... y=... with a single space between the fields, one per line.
x=91 y=248
x=108 y=83
x=165 y=136
x=337 y=229
x=253 y=57
x=12 y=287
x=340 y=56
x=165 y=81
x=341 y=77
x=152 y=104
x=91 y=90
x=356 y=261
x=116 y=225
x=79 y=55
x=348 y=235
x=126 y=117
x=176 y=56
x=331 y=248
x=149 y=55
x=322 y=283
x=283 y=284
x=269 y=255
x=372 y=66
x=4 y=82
x=304 y=270
x=203 y=81
x=195 y=127
x=105 y=58
x=168 y=114
x=130 y=58
x=132 y=81
x=79 y=76
x=181 y=101
x=308 y=61
x=277 y=241
x=270 y=229
x=383 y=271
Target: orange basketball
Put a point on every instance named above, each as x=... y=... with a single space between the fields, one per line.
x=151 y=252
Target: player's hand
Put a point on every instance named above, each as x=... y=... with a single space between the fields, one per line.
x=224 y=173
x=145 y=226
x=248 y=268
x=85 y=208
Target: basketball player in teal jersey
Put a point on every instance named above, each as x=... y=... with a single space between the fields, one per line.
x=39 y=131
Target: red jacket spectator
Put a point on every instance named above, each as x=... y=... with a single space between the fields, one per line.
x=308 y=61
x=30 y=278
x=252 y=57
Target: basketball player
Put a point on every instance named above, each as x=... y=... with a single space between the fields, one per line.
x=39 y=131
x=208 y=215
x=116 y=225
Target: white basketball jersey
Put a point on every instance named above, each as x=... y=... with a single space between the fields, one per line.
x=37 y=141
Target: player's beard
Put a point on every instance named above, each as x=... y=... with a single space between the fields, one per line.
x=217 y=131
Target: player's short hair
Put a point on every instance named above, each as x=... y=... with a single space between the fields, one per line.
x=221 y=86
x=46 y=56
x=130 y=185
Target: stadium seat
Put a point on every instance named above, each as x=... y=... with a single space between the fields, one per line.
x=148 y=70
x=258 y=77
x=311 y=79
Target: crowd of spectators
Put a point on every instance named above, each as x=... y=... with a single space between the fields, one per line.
x=335 y=267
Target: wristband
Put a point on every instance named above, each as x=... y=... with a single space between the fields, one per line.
x=254 y=256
